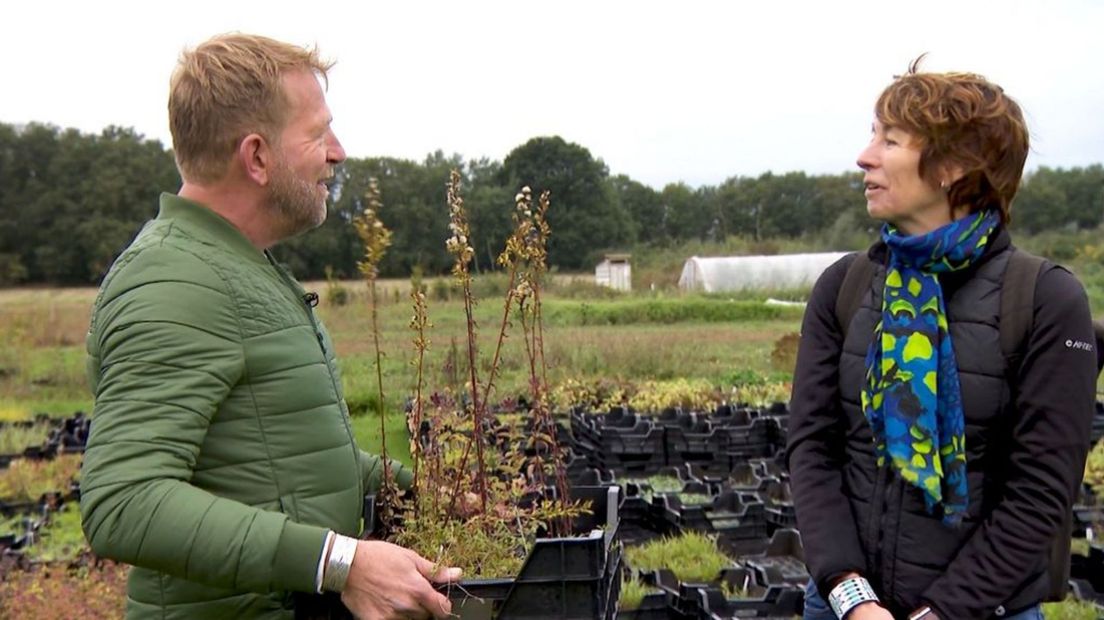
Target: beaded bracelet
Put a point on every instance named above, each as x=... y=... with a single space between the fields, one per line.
x=849 y=594
x=339 y=563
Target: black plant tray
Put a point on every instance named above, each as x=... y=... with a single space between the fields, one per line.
x=780 y=510
x=652 y=607
x=783 y=562
x=694 y=440
x=1087 y=575
x=698 y=601
x=731 y=516
x=562 y=578
x=755 y=600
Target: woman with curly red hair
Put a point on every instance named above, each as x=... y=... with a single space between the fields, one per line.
x=932 y=468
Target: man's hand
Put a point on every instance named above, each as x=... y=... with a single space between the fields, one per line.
x=870 y=611
x=389 y=582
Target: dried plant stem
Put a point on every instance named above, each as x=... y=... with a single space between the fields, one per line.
x=379 y=383
x=376 y=238
x=419 y=324
x=458 y=245
x=477 y=405
x=505 y=325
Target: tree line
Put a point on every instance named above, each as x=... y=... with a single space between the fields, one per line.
x=71 y=201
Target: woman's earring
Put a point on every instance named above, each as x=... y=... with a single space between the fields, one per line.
x=943 y=186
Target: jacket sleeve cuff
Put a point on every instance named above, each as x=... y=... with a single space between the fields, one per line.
x=297 y=556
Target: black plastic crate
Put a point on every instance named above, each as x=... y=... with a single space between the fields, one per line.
x=729 y=516
x=754 y=599
x=562 y=578
x=778 y=499
x=694 y=440
x=652 y=607
x=783 y=561
x=1087 y=575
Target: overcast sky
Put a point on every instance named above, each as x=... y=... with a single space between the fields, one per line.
x=663 y=92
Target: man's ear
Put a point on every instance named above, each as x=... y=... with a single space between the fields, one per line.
x=257 y=158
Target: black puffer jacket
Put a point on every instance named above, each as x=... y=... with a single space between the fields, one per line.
x=1026 y=440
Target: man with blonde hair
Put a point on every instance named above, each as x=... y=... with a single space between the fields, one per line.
x=222 y=463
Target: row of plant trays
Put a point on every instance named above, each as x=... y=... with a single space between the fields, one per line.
x=50 y=500
x=1087 y=575
x=67 y=435
x=766 y=584
x=29 y=526
x=740 y=512
x=32 y=517
x=624 y=441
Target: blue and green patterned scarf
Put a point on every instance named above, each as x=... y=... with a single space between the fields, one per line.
x=912 y=397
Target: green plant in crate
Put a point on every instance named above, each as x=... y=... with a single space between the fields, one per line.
x=1072 y=609
x=594 y=395
x=1094 y=469
x=25 y=480
x=632 y=594
x=656 y=484
x=16 y=439
x=760 y=395
x=13 y=524
x=689 y=394
x=692 y=557
x=62 y=539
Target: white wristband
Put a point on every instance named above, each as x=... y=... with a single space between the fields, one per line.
x=339 y=563
x=849 y=594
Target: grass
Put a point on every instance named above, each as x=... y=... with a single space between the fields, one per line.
x=690 y=309
x=16 y=439
x=1094 y=469
x=632 y=594
x=1072 y=609
x=14 y=524
x=25 y=480
x=692 y=557
x=61 y=539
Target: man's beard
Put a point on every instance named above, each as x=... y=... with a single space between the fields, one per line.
x=294 y=202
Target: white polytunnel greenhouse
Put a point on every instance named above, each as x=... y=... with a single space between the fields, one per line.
x=734 y=273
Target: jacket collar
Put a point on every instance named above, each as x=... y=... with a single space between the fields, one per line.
x=210 y=225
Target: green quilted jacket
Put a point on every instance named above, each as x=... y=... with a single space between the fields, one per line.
x=221 y=449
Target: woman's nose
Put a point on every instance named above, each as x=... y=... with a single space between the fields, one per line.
x=866 y=159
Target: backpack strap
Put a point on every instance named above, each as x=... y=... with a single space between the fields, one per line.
x=1016 y=321
x=1017 y=310
x=850 y=295
x=1098 y=330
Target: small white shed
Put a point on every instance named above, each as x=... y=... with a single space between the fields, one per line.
x=615 y=272
x=734 y=273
